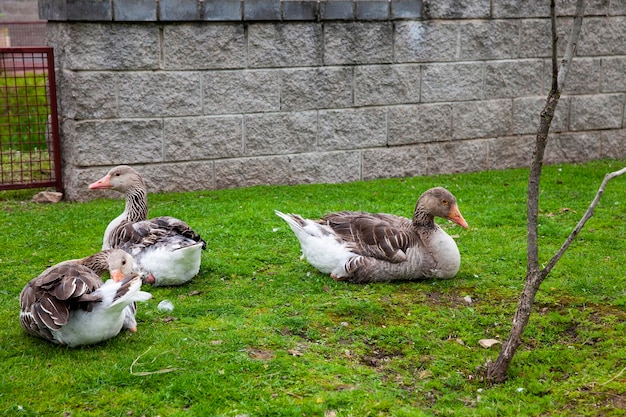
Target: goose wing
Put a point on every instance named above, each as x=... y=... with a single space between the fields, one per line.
x=148 y=232
x=381 y=236
x=46 y=301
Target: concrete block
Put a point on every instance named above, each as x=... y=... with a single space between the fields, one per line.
x=131 y=47
x=52 y=10
x=511 y=152
x=461 y=156
x=457 y=9
x=134 y=10
x=527 y=111
x=517 y=78
x=87 y=95
x=372 y=9
x=592 y=112
x=565 y=8
x=316 y=88
x=300 y=10
x=395 y=162
x=406 y=9
x=187 y=176
x=115 y=142
x=76 y=181
x=481 y=119
x=179 y=10
x=507 y=9
x=352 y=128
x=583 y=77
x=89 y=10
x=537 y=37
x=241 y=91
x=425 y=41
x=617 y=8
x=452 y=82
x=489 y=40
x=194 y=138
x=280 y=133
x=358 y=43
x=613 y=75
x=201 y=47
x=602 y=36
x=337 y=9
x=261 y=10
x=419 y=123
x=318 y=167
x=612 y=144
x=572 y=147
x=222 y=10
x=386 y=84
x=160 y=94
x=284 y=45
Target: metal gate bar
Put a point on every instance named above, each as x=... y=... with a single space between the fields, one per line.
x=29 y=130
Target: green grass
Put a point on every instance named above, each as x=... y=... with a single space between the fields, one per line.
x=260 y=333
x=23 y=119
x=23 y=111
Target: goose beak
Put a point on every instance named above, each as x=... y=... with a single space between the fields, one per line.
x=456 y=217
x=132 y=329
x=117 y=275
x=102 y=184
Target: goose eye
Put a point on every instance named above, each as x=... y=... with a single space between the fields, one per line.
x=124 y=262
x=444 y=201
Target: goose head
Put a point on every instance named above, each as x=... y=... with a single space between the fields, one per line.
x=121 y=178
x=126 y=180
x=120 y=264
x=438 y=202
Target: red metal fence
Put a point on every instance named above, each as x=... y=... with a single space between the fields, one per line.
x=29 y=131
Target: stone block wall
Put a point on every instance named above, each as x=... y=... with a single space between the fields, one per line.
x=208 y=94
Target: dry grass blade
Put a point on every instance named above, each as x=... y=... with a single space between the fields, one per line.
x=146 y=373
x=615 y=377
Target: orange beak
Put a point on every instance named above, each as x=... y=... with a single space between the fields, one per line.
x=132 y=329
x=103 y=183
x=455 y=216
x=117 y=275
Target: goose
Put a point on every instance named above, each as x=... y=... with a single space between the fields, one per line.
x=363 y=247
x=68 y=304
x=165 y=249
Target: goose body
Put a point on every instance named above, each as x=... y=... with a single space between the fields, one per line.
x=166 y=249
x=366 y=247
x=68 y=304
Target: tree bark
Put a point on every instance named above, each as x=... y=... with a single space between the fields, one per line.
x=497 y=371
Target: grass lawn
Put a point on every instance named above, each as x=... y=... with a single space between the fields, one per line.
x=259 y=332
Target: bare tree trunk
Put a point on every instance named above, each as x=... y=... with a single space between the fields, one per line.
x=496 y=372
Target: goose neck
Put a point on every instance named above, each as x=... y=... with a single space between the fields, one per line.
x=98 y=262
x=136 y=205
x=422 y=219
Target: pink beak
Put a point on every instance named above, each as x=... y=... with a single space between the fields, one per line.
x=103 y=183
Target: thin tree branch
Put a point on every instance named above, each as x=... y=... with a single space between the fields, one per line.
x=581 y=223
x=572 y=44
x=497 y=371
